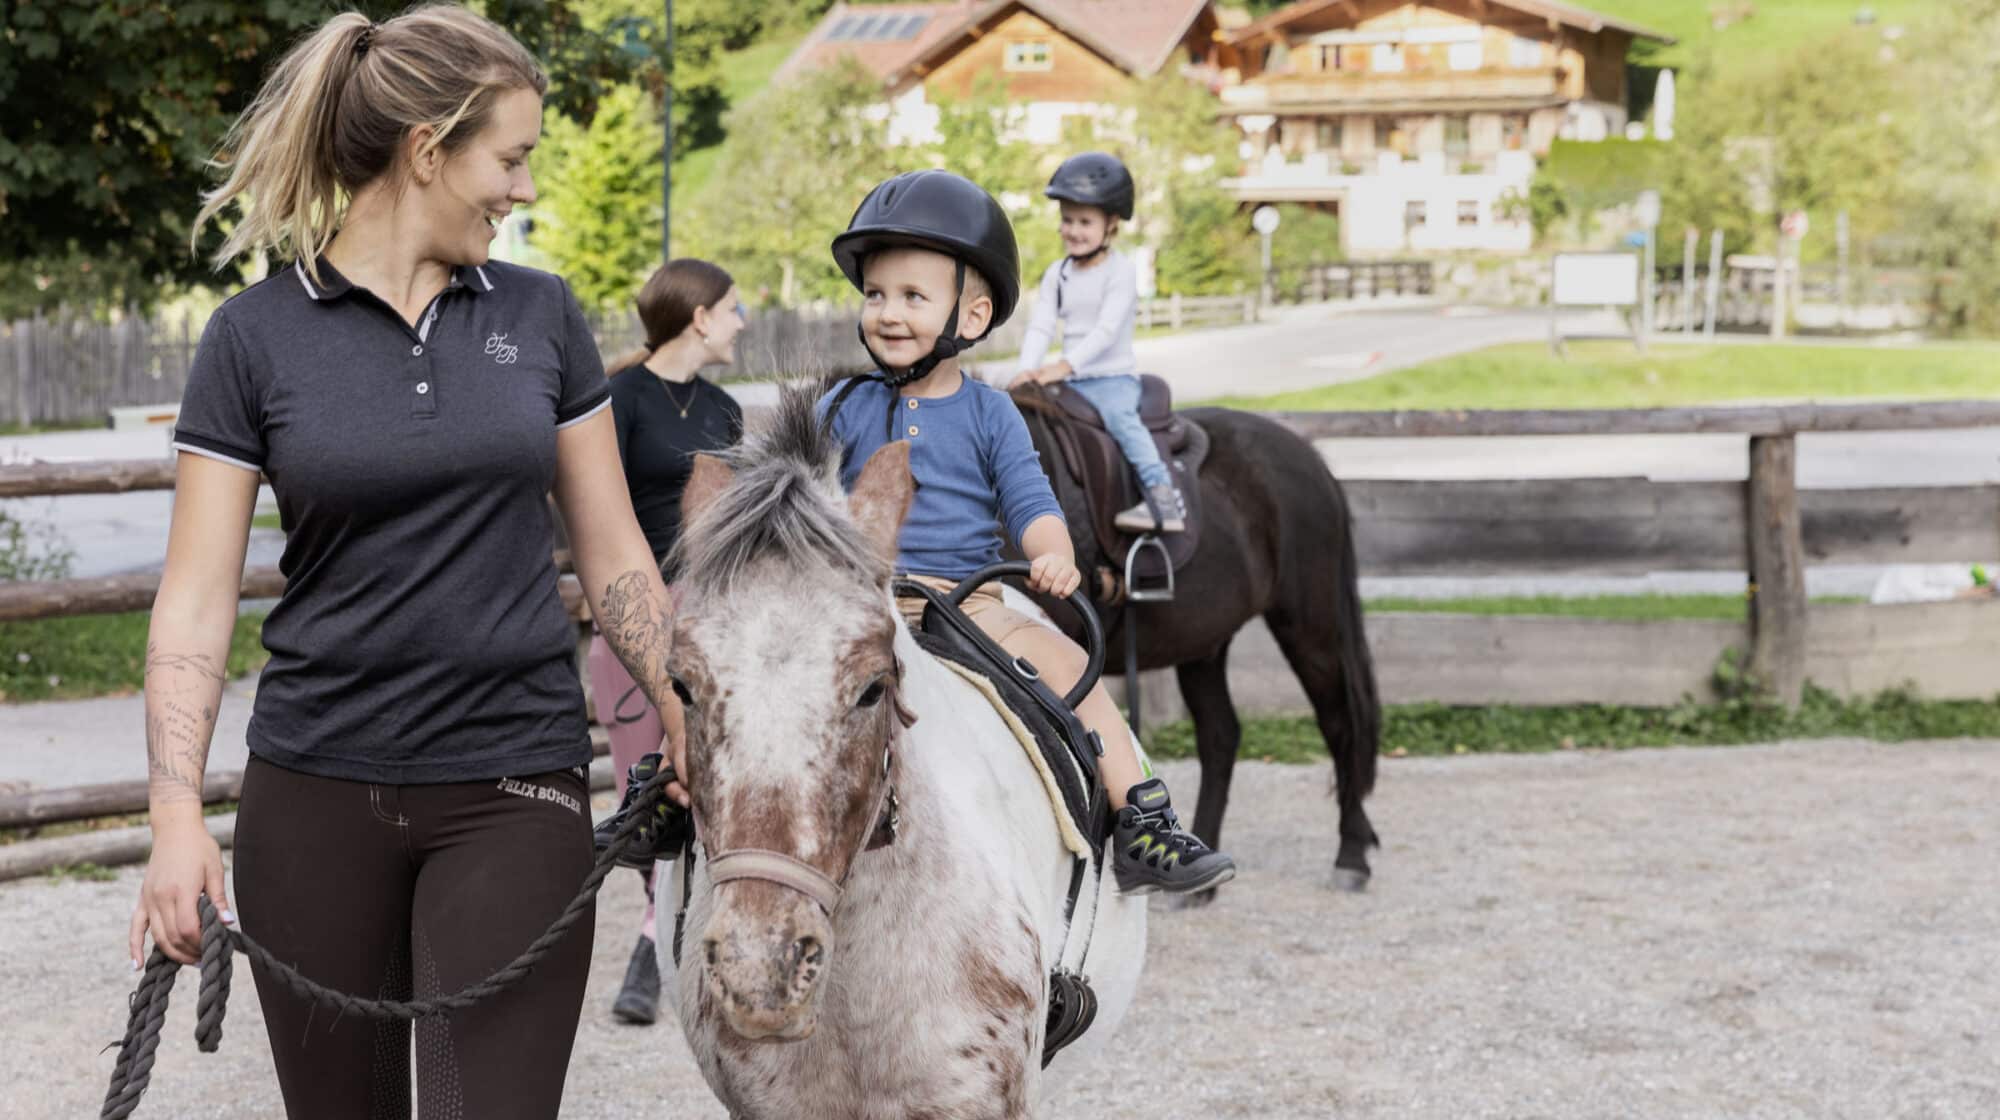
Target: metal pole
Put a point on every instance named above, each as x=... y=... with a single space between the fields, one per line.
x=1264 y=289
x=1646 y=289
x=1840 y=244
x=1687 y=279
x=667 y=146
x=1714 y=280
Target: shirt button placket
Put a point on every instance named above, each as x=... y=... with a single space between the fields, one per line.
x=424 y=398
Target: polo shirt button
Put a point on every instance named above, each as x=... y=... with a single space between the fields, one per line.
x=913 y=402
x=423 y=387
x=913 y=429
x=415 y=351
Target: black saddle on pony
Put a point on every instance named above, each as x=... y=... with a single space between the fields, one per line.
x=1096 y=482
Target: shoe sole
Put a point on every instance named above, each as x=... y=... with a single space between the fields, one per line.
x=634 y=1015
x=1212 y=879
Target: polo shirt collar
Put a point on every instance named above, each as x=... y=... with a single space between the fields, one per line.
x=332 y=285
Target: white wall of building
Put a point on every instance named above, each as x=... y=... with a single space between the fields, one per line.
x=1374 y=204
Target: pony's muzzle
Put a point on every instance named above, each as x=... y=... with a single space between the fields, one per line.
x=763 y=973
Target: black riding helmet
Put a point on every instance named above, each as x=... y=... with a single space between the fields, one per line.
x=938 y=210
x=1094 y=179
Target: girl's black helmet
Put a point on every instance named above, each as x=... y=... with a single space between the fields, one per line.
x=937 y=210
x=1094 y=179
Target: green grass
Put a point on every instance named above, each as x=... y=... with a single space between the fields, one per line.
x=744 y=72
x=267 y=521
x=1773 y=27
x=1611 y=374
x=1722 y=608
x=1436 y=729
x=17 y=429
x=96 y=655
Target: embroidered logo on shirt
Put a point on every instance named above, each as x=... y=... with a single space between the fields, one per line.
x=502 y=353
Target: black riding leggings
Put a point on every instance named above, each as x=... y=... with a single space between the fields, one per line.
x=390 y=891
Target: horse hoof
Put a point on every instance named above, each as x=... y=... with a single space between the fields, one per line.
x=1194 y=900
x=1350 y=881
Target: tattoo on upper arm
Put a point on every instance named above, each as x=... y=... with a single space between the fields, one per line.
x=182 y=690
x=639 y=627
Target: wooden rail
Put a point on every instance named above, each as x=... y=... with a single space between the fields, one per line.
x=1765 y=526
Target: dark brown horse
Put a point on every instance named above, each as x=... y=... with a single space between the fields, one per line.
x=1276 y=542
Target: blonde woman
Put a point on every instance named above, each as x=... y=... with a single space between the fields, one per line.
x=666 y=413
x=415 y=809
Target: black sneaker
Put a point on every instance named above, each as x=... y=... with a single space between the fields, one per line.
x=639 y=1000
x=1155 y=854
x=665 y=836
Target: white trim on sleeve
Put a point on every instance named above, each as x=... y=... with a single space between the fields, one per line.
x=575 y=420
x=217 y=456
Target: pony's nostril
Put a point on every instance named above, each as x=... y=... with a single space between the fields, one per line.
x=803 y=958
x=708 y=950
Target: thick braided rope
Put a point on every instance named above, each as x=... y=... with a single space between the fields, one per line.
x=134 y=1068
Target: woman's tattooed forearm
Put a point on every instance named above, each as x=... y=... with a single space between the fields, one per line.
x=639 y=626
x=182 y=691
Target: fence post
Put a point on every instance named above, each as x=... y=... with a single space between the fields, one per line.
x=1249 y=307
x=1777 y=568
x=1174 y=311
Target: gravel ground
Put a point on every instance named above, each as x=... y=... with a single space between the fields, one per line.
x=1803 y=930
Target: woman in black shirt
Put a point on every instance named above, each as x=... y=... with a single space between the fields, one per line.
x=665 y=412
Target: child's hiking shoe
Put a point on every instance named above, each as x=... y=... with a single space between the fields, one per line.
x=1153 y=852
x=1159 y=512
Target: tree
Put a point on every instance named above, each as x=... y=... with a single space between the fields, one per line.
x=1178 y=152
x=1953 y=211
x=799 y=158
x=112 y=110
x=979 y=138
x=599 y=220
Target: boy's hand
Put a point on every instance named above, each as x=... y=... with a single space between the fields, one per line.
x=1053 y=372
x=1054 y=575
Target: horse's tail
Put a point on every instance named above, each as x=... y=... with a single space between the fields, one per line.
x=1363 y=710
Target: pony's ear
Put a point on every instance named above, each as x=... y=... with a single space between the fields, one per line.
x=710 y=477
x=881 y=496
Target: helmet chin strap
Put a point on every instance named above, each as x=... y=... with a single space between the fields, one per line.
x=1080 y=258
x=948 y=345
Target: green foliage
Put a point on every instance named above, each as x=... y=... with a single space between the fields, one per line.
x=1648 y=607
x=32 y=550
x=599 y=219
x=799 y=158
x=1305 y=237
x=1178 y=152
x=1820 y=128
x=97 y=655
x=114 y=108
x=978 y=138
x=1952 y=211
x=1437 y=729
x=1606 y=173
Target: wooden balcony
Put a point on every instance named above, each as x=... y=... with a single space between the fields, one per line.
x=1470 y=89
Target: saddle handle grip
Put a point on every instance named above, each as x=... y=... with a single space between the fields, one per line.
x=1093 y=630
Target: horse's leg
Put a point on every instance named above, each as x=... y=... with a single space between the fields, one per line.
x=1317 y=663
x=1205 y=690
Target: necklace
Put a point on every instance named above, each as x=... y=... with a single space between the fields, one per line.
x=676 y=401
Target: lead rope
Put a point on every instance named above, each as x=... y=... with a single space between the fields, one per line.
x=148 y=1003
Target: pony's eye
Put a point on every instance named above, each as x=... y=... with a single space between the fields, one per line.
x=870 y=696
x=681 y=690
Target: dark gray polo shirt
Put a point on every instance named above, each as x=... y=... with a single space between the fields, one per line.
x=420 y=637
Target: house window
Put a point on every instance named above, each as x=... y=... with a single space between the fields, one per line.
x=1466 y=56
x=1524 y=53
x=1457 y=137
x=1514 y=132
x=1468 y=213
x=1328 y=134
x=1387 y=58
x=1030 y=54
x=1278 y=59
x=1413 y=214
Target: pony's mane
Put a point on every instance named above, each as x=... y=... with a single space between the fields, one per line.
x=785 y=503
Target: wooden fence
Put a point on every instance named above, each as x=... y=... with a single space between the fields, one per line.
x=1764 y=526
x=68 y=368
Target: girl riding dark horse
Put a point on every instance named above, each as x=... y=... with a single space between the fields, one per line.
x=1275 y=542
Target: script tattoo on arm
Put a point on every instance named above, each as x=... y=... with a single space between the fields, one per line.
x=638 y=624
x=183 y=691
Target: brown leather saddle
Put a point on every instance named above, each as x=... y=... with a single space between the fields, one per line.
x=1095 y=482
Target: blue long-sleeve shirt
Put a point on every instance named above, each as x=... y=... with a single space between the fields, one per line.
x=976 y=470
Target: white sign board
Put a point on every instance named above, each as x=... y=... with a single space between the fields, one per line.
x=1264 y=219
x=1596 y=280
